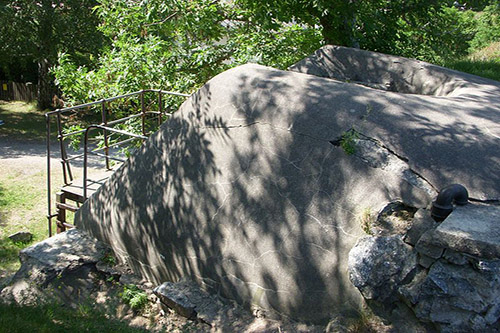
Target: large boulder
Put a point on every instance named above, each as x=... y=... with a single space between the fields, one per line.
x=379 y=265
x=258 y=185
x=64 y=264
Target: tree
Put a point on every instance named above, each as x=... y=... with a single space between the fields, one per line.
x=35 y=31
x=177 y=45
x=181 y=44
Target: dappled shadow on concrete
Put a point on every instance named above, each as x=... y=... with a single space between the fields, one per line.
x=242 y=190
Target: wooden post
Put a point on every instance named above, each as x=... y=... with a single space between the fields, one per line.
x=61 y=213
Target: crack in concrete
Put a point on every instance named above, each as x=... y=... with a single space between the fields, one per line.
x=377 y=155
x=398 y=164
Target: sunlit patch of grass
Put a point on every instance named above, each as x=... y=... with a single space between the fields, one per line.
x=484 y=62
x=56 y=318
x=489 y=53
x=22 y=121
x=487 y=69
x=23 y=201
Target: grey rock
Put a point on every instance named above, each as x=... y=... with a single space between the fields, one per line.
x=130 y=279
x=478 y=323
x=425 y=261
x=455 y=297
x=173 y=297
x=472 y=229
x=411 y=293
x=493 y=314
x=21 y=236
x=73 y=247
x=456 y=258
x=242 y=185
x=63 y=262
x=427 y=245
x=422 y=222
x=378 y=266
x=190 y=301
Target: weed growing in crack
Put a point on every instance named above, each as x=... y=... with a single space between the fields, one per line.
x=348 y=141
x=366 y=220
x=109 y=259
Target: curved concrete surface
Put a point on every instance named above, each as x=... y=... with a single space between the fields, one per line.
x=248 y=189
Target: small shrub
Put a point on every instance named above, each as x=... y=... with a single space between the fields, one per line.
x=109 y=259
x=135 y=297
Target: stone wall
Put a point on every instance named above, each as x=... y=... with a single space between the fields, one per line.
x=447 y=274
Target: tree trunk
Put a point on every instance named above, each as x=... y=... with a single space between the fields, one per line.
x=47 y=53
x=338 y=26
x=46 y=88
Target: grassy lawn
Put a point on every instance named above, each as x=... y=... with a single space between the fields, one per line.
x=485 y=62
x=23 y=202
x=23 y=121
x=23 y=198
x=55 y=318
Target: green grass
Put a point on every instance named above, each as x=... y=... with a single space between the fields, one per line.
x=23 y=196
x=489 y=69
x=22 y=208
x=56 y=318
x=23 y=121
x=484 y=62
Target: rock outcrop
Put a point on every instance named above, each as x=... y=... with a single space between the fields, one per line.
x=259 y=184
x=64 y=264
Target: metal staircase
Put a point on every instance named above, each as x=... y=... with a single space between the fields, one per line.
x=153 y=105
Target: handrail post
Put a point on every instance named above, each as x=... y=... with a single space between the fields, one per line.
x=60 y=138
x=85 y=152
x=105 y=133
x=49 y=208
x=143 y=113
x=160 y=107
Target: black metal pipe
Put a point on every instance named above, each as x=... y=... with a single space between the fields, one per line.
x=443 y=205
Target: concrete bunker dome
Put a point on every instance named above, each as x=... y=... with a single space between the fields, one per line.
x=242 y=190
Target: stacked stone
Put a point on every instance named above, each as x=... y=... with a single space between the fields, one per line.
x=447 y=274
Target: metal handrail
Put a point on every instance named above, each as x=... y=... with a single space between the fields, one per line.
x=85 y=149
x=104 y=126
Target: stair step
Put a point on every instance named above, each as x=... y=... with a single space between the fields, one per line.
x=67 y=207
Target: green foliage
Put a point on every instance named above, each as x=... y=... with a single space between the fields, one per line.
x=435 y=35
x=348 y=141
x=135 y=297
x=485 y=68
x=109 y=259
x=488 y=27
x=35 y=31
x=76 y=139
x=177 y=46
